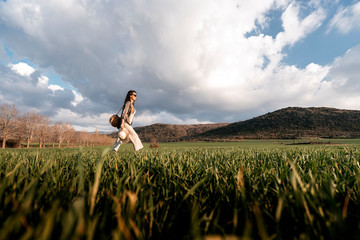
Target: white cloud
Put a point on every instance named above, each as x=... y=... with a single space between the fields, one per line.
x=27 y=93
x=43 y=81
x=78 y=98
x=346 y=19
x=294 y=28
x=22 y=69
x=345 y=72
x=85 y=123
x=54 y=87
x=147 y=118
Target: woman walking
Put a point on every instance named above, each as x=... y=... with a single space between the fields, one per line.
x=127 y=117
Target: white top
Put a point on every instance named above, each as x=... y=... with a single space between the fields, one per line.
x=131 y=118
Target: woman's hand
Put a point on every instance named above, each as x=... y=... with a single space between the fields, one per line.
x=122 y=126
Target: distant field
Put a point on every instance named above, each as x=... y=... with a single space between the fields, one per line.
x=273 y=143
x=249 y=190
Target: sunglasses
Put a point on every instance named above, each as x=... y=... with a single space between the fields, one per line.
x=134 y=95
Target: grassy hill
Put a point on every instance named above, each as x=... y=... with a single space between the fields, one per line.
x=292 y=122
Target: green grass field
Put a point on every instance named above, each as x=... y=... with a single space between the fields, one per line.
x=235 y=190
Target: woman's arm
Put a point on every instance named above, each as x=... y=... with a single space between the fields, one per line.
x=124 y=114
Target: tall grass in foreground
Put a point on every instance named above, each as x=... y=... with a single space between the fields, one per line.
x=183 y=193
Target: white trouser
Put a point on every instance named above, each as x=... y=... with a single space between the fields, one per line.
x=132 y=136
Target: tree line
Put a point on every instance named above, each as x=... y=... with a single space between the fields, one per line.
x=31 y=127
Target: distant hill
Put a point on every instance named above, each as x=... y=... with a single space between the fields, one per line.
x=292 y=122
x=287 y=123
x=172 y=133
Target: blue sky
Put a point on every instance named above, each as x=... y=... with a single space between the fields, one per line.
x=322 y=47
x=190 y=62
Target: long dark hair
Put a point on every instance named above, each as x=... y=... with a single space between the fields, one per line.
x=131 y=92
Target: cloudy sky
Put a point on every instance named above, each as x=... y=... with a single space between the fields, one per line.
x=190 y=61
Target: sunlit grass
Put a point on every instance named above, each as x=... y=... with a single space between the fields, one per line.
x=249 y=189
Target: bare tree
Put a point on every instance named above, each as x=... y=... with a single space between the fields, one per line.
x=105 y=140
x=96 y=137
x=63 y=131
x=77 y=139
x=31 y=122
x=59 y=132
x=69 y=134
x=52 y=135
x=43 y=131
x=81 y=138
x=85 y=138
x=35 y=127
x=8 y=120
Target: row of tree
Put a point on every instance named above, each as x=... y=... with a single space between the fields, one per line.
x=33 y=127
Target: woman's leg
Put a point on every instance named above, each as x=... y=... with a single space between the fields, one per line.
x=134 y=138
x=117 y=144
x=118 y=141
